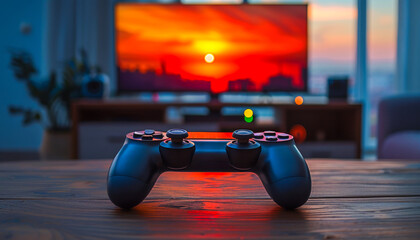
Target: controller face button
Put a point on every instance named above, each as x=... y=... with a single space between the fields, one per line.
x=258 y=135
x=149 y=131
x=269 y=133
x=271 y=138
x=138 y=134
x=147 y=137
x=283 y=136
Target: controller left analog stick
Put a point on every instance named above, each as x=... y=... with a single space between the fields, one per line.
x=177 y=153
x=177 y=135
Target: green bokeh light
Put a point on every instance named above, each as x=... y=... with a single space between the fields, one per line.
x=249 y=119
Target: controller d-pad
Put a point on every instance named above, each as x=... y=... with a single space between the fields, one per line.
x=149 y=131
x=147 y=134
x=158 y=134
x=269 y=133
x=138 y=134
x=147 y=137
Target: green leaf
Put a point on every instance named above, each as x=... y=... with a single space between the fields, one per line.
x=22 y=65
x=29 y=116
x=15 y=110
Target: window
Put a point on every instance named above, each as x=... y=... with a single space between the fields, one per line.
x=382 y=44
x=332 y=42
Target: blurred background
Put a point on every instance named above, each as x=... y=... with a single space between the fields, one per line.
x=53 y=52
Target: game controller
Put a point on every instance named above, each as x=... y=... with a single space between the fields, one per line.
x=145 y=155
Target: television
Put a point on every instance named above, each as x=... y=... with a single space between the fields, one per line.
x=211 y=48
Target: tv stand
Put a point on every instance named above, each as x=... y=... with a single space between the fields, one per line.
x=329 y=126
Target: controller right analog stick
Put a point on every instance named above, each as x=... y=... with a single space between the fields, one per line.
x=243 y=135
x=243 y=153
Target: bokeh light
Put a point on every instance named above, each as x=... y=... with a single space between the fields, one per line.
x=248 y=113
x=299 y=133
x=299 y=100
x=249 y=119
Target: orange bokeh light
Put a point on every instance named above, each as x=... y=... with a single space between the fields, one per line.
x=299 y=133
x=299 y=100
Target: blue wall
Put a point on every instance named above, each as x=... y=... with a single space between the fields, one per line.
x=14 y=136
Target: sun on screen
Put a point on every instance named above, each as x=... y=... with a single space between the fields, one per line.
x=209 y=58
x=211 y=48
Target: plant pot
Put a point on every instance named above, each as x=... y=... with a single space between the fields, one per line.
x=56 y=145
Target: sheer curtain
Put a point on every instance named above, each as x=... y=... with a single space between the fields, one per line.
x=81 y=24
x=408 y=46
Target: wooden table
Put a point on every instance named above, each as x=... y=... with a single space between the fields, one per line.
x=350 y=200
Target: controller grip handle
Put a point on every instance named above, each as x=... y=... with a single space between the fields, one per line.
x=127 y=192
x=286 y=176
x=132 y=175
x=290 y=192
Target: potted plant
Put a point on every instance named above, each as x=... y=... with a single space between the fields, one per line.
x=54 y=95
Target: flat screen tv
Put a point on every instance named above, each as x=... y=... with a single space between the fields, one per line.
x=211 y=48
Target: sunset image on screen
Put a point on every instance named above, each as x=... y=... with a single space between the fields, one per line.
x=213 y=48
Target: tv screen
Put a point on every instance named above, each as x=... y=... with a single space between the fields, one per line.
x=211 y=48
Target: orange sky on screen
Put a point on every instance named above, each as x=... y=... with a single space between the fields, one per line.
x=254 y=42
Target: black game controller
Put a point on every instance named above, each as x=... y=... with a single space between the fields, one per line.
x=145 y=155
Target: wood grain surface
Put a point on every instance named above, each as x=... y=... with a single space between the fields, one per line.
x=350 y=200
